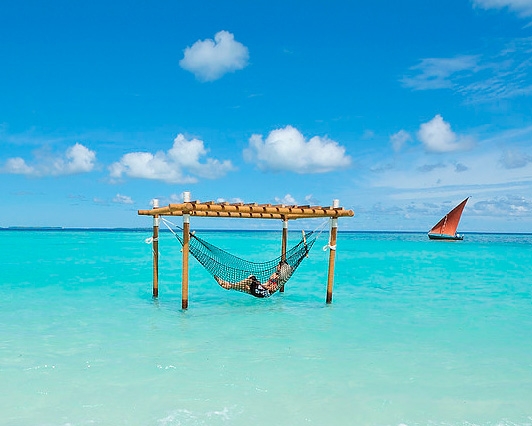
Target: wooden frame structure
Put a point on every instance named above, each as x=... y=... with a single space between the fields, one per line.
x=240 y=210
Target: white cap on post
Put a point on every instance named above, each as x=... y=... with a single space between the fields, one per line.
x=336 y=203
x=155 y=217
x=186 y=199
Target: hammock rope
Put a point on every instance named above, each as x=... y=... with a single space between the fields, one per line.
x=260 y=279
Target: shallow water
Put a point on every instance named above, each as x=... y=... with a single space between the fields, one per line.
x=419 y=332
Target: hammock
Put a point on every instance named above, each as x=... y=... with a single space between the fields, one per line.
x=260 y=279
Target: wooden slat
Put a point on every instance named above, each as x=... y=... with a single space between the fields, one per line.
x=251 y=210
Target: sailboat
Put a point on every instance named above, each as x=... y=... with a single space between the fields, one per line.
x=445 y=229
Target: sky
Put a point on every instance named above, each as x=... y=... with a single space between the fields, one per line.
x=400 y=110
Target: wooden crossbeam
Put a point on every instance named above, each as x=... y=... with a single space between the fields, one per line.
x=251 y=210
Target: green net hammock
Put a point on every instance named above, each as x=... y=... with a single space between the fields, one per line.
x=260 y=279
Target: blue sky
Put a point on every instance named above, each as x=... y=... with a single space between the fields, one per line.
x=398 y=110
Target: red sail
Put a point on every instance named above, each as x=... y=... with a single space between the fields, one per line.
x=448 y=224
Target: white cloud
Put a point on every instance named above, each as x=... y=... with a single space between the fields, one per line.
x=505 y=74
x=310 y=199
x=175 y=198
x=399 y=139
x=498 y=163
x=286 y=200
x=79 y=159
x=513 y=159
x=509 y=205
x=287 y=149
x=122 y=199
x=476 y=170
x=18 y=166
x=100 y=201
x=76 y=159
x=234 y=200
x=180 y=164
x=427 y=168
x=435 y=73
x=522 y=7
x=437 y=136
x=210 y=59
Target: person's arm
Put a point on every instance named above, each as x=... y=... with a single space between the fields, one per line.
x=271 y=284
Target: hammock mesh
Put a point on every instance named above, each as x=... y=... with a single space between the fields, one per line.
x=233 y=272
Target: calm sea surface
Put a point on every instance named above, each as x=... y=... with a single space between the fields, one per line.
x=419 y=333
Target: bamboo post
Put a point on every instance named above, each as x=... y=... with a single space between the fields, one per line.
x=283 y=246
x=186 y=239
x=155 y=248
x=332 y=253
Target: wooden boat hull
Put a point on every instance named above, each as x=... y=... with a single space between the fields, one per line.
x=456 y=237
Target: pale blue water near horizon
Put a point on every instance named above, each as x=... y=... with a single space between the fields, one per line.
x=419 y=333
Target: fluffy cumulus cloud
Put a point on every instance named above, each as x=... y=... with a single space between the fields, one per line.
x=210 y=59
x=522 y=7
x=180 y=164
x=287 y=149
x=437 y=136
x=76 y=159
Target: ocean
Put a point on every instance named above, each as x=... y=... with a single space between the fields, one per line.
x=419 y=332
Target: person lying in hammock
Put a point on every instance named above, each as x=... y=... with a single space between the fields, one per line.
x=253 y=286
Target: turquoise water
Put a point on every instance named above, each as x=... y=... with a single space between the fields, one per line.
x=419 y=333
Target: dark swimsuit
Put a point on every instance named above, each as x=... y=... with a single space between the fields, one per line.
x=257 y=290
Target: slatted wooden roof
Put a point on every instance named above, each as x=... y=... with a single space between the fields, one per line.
x=252 y=210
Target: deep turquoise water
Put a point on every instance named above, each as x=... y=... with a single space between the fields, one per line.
x=419 y=333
